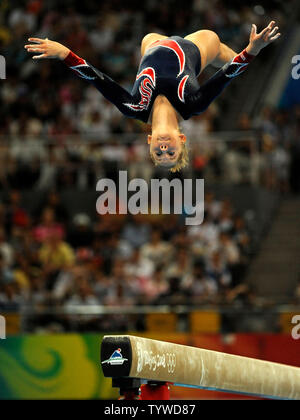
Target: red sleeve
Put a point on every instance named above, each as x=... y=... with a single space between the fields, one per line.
x=73 y=60
x=243 y=57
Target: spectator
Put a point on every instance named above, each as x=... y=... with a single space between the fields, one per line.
x=10 y=298
x=6 y=250
x=81 y=233
x=218 y=271
x=156 y=287
x=139 y=267
x=84 y=295
x=16 y=215
x=157 y=250
x=231 y=253
x=204 y=237
x=53 y=202
x=135 y=232
x=180 y=267
x=55 y=254
x=202 y=287
x=48 y=226
x=6 y=275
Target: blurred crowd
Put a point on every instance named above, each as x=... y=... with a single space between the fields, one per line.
x=262 y=152
x=48 y=259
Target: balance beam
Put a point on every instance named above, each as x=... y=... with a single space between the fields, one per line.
x=124 y=356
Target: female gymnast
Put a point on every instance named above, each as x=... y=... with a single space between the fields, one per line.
x=166 y=86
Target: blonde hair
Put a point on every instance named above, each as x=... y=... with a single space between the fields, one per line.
x=181 y=162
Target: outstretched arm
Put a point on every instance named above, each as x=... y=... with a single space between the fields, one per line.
x=111 y=90
x=259 y=41
x=256 y=43
x=212 y=88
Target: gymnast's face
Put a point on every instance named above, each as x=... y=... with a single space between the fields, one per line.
x=166 y=146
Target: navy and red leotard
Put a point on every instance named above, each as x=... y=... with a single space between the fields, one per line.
x=170 y=67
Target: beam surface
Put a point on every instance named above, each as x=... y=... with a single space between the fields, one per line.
x=137 y=357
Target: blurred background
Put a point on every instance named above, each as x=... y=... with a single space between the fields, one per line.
x=68 y=275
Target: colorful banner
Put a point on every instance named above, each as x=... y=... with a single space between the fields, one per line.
x=52 y=367
x=67 y=366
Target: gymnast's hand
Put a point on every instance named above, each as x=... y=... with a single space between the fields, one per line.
x=258 y=41
x=47 y=49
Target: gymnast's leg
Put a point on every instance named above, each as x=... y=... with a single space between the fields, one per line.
x=149 y=39
x=212 y=50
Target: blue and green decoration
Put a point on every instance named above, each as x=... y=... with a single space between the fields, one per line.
x=53 y=367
